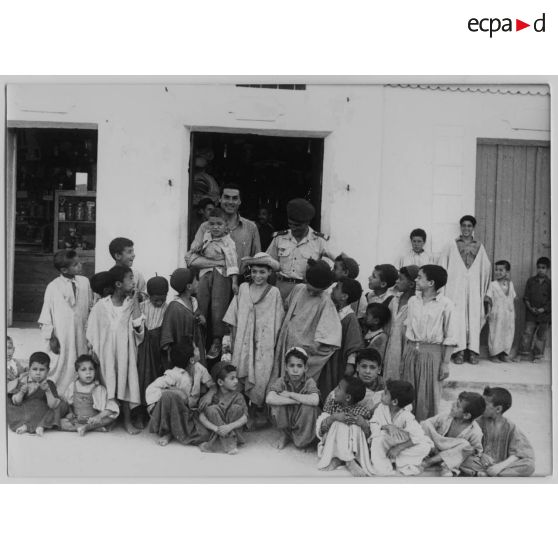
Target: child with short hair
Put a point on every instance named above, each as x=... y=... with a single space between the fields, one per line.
x=345 y=266
x=293 y=400
x=399 y=444
x=345 y=292
x=265 y=228
x=218 y=282
x=381 y=283
x=227 y=413
x=89 y=407
x=114 y=331
x=67 y=302
x=455 y=435
x=182 y=317
x=417 y=256
x=506 y=452
x=343 y=429
x=311 y=322
x=14 y=369
x=406 y=288
x=175 y=398
x=122 y=252
x=150 y=361
x=101 y=286
x=369 y=369
x=499 y=303
x=429 y=340
x=34 y=405
x=377 y=318
x=255 y=316
x=538 y=303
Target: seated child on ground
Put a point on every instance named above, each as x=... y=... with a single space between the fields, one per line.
x=506 y=451
x=174 y=398
x=293 y=400
x=381 y=283
x=368 y=369
x=226 y=414
x=343 y=429
x=499 y=303
x=398 y=442
x=376 y=319
x=13 y=368
x=89 y=406
x=34 y=405
x=456 y=435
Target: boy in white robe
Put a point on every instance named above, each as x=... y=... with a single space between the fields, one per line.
x=114 y=330
x=398 y=443
x=63 y=319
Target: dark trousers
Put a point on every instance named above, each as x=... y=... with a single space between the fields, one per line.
x=538 y=331
x=214 y=297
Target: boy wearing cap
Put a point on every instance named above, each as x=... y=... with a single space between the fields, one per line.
x=293 y=247
x=311 y=322
x=255 y=316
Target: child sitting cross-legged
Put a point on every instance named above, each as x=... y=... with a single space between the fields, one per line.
x=227 y=413
x=399 y=444
x=343 y=429
x=89 y=406
x=34 y=405
x=456 y=435
x=293 y=400
x=506 y=450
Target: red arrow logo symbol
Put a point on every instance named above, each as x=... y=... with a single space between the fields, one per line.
x=519 y=25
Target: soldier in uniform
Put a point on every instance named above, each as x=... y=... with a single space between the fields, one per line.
x=293 y=247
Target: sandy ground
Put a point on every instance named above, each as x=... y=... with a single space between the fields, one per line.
x=117 y=454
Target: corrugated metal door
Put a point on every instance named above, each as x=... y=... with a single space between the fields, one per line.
x=512 y=206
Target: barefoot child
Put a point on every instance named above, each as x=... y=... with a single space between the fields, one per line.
x=345 y=292
x=506 y=451
x=375 y=321
x=63 y=319
x=456 y=435
x=150 y=362
x=89 y=406
x=255 y=316
x=499 y=305
x=343 y=429
x=369 y=369
x=398 y=442
x=175 y=398
x=182 y=317
x=430 y=341
x=122 y=252
x=34 y=406
x=293 y=400
x=14 y=370
x=115 y=329
x=381 y=283
x=227 y=413
x=216 y=283
x=406 y=287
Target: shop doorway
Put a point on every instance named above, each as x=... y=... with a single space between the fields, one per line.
x=51 y=205
x=271 y=170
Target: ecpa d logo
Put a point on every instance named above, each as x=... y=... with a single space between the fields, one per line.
x=493 y=25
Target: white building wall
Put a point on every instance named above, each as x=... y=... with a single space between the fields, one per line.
x=394 y=158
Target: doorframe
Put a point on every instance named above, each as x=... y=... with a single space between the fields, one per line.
x=513 y=142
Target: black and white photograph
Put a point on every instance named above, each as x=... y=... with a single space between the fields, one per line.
x=314 y=279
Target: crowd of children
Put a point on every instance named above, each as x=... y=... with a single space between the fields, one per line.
x=361 y=375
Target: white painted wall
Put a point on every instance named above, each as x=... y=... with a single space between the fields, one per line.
x=394 y=158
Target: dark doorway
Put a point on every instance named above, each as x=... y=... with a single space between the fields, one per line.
x=271 y=170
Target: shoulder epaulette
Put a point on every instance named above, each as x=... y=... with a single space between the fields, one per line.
x=280 y=233
x=322 y=235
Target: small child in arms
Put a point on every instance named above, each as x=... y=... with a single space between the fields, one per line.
x=227 y=413
x=293 y=400
x=399 y=444
x=506 y=450
x=90 y=408
x=456 y=435
x=343 y=429
x=35 y=405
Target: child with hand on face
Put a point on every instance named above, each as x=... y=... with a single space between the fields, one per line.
x=343 y=429
x=89 y=406
x=34 y=405
x=226 y=414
